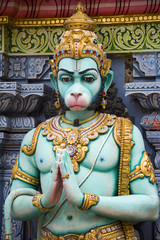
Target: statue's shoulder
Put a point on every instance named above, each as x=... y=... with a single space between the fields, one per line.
x=30 y=140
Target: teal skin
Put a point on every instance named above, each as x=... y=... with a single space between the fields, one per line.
x=74 y=81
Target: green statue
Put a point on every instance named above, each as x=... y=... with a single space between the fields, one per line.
x=94 y=173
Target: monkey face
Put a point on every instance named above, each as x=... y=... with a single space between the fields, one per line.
x=78 y=82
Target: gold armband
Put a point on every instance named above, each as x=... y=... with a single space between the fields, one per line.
x=89 y=200
x=17 y=173
x=36 y=202
x=145 y=169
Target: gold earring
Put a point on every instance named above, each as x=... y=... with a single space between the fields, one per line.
x=104 y=101
x=57 y=103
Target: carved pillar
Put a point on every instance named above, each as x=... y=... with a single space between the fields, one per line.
x=19 y=104
x=146 y=88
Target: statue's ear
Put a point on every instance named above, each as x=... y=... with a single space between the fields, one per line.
x=108 y=80
x=53 y=81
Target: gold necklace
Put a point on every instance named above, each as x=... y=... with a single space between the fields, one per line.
x=76 y=140
x=80 y=122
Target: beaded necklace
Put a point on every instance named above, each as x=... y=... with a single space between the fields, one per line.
x=76 y=140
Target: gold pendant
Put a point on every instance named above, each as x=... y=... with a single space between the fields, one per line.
x=76 y=140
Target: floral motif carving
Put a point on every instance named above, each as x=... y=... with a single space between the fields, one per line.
x=123 y=38
x=17 y=67
x=34 y=40
x=128 y=38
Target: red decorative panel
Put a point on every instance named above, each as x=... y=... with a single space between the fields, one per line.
x=65 y=8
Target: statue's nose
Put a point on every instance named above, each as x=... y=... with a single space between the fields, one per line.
x=76 y=95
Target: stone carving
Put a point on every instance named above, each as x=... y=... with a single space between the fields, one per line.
x=34 y=40
x=123 y=38
x=38 y=67
x=148 y=93
x=17 y=124
x=144 y=64
x=20 y=98
x=3 y=65
x=151 y=121
x=10 y=139
x=17 y=67
x=128 y=69
x=154 y=138
x=1 y=37
x=158 y=62
x=9 y=159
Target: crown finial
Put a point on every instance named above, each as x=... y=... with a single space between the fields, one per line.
x=80 y=8
x=80 y=20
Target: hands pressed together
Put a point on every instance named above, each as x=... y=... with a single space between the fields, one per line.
x=62 y=176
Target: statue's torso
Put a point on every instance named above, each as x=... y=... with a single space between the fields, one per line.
x=102 y=181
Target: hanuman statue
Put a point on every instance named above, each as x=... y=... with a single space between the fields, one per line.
x=84 y=174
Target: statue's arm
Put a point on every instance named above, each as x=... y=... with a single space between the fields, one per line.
x=142 y=203
x=22 y=207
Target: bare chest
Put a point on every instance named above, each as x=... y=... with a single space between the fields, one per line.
x=102 y=155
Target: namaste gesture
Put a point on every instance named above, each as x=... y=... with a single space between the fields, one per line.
x=94 y=175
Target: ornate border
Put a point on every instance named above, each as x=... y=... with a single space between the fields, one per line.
x=118 y=34
x=118 y=19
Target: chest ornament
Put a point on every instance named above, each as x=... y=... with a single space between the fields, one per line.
x=75 y=140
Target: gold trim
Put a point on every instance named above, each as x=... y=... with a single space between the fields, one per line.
x=30 y=149
x=107 y=232
x=124 y=169
x=125 y=19
x=145 y=169
x=17 y=173
x=117 y=133
x=4 y=20
x=89 y=200
x=101 y=20
x=124 y=127
x=36 y=201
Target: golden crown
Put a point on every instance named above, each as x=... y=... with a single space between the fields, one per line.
x=79 y=41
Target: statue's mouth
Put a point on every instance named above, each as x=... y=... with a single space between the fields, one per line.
x=76 y=107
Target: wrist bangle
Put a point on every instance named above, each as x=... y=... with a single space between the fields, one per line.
x=89 y=200
x=36 y=202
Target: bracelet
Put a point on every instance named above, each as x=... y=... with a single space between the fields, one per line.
x=7 y=235
x=89 y=200
x=36 y=202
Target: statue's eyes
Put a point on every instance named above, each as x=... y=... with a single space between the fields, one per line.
x=66 y=79
x=88 y=79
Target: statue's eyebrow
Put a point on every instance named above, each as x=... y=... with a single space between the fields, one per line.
x=86 y=70
x=65 y=70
